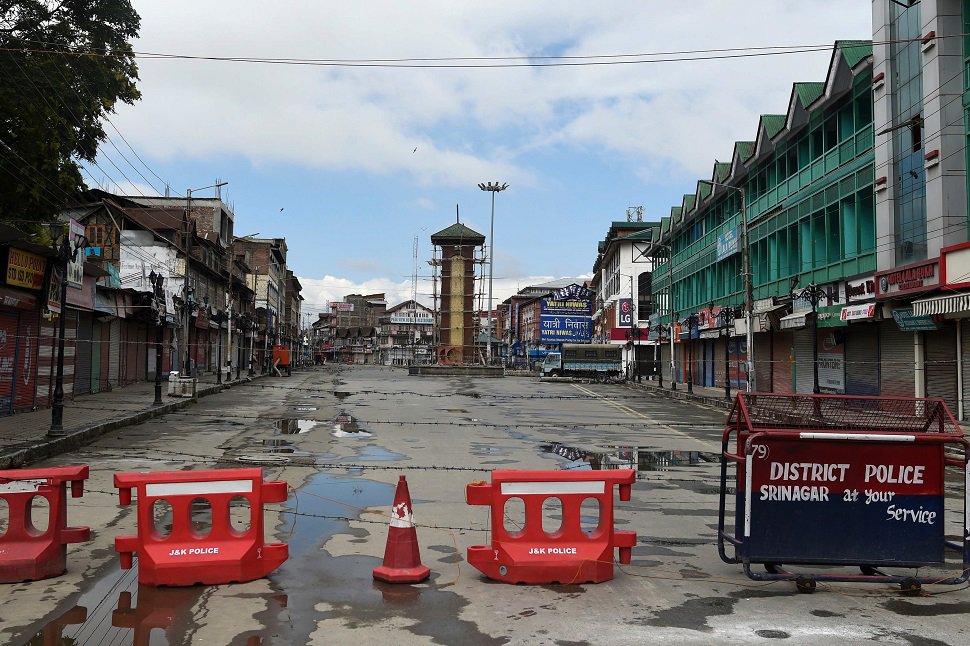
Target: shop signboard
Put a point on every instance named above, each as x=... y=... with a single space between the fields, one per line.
x=727 y=244
x=25 y=269
x=625 y=313
x=906 y=321
x=915 y=278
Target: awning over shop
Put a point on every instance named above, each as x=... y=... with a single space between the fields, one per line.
x=793 y=321
x=948 y=304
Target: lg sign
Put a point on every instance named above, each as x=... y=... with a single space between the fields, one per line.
x=625 y=314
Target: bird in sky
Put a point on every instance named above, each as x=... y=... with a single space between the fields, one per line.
x=415 y=150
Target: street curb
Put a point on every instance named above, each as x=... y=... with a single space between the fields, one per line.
x=683 y=395
x=51 y=446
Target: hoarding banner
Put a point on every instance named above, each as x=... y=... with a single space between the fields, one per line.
x=564 y=329
x=727 y=244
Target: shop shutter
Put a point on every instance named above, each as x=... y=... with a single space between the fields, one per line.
x=129 y=362
x=895 y=361
x=862 y=359
x=8 y=359
x=781 y=361
x=940 y=371
x=25 y=370
x=96 y=345
x=85 y=346
x=45 y=362
x=965 y=366
x=114 y=352
x=665 y=360
x=802 y=341
x=762 y=362
x=717 y=362
x=70 y=348
x=141 y=353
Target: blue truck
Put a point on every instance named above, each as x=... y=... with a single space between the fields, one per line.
x=596 y=361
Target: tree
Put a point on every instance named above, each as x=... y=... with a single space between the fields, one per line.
x=64 y=66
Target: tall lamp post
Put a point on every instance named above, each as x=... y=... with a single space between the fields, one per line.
x=659 y=329
x=814 y=295
x=691 y=323
x=157 y=280
x=493 y=188
x=748 y=283
x=66 y=252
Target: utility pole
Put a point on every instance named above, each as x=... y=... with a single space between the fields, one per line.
x=493 y=188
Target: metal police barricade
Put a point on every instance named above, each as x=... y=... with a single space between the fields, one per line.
x=179 y=554
x=837 y=481
x=568 y=555
x=26 y=553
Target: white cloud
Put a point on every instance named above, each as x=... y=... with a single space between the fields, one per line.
x=465 y=123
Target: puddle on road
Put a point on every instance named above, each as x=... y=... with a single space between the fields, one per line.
x=631 y=457
x=115 y=609
x=345 y=425
x=377 y=454
x=287 y=426
x=342 y=587
x=341 y=395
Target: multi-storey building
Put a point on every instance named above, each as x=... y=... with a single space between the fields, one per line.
x=799 y=199
x=406 y=334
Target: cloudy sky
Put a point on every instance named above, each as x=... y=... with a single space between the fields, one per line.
x=352 y=161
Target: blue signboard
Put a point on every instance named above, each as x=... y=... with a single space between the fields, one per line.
x=830 y=503
x=558 y=328
x=727 y=244
x=909 y=322
x=565 y=317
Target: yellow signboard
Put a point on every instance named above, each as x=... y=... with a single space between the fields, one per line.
x=25 y=269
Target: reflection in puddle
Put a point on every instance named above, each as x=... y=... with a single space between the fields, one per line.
x=305 y=409
x=345 y=425
x=162 y=615
x=295 y=426
x=630 y=457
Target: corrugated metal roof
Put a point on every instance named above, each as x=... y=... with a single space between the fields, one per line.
x=773 y=123
x=744 y=149
x=721 y=170
x=854 y=51
x=460 y=231
x=809 y=92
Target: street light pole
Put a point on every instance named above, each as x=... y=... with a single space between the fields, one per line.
x=691 y=322
x=157 y=280
x=65 y=254
x=814 y=295
x=492 y=188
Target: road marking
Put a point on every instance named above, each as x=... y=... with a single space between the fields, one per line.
x=634 y=413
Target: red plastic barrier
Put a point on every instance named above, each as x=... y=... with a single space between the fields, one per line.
x=184 y=556
x=568 y=555
x=25 y=553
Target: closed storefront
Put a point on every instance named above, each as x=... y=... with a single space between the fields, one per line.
x=802 y=341
x=96 y=356
x=940 y=367
x=28 y=339
x=895 y=361
x=965 y=366
x=762 y=362
x=84 y=350
x=781 y=361
x=862 y=359
x=114 y=353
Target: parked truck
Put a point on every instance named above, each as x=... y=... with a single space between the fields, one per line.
x=600 y=362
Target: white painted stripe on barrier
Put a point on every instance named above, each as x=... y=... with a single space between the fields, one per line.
x=966 y=502
x=199 y=488
x=866 y=437
x=22 y=486
x=552 y=488
x=747 y=494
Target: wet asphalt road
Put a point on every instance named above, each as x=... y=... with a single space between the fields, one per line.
x=340 y=436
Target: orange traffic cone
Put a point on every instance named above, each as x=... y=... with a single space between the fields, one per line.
x=402 y=562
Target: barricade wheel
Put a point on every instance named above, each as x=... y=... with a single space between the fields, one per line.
x=772 y=568
x=910 y=587
x=805 y=585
